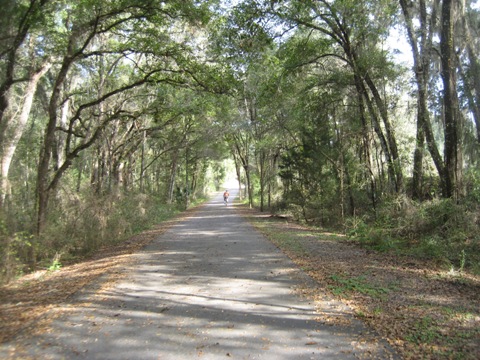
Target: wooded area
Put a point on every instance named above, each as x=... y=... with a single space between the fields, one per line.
x=115 y=113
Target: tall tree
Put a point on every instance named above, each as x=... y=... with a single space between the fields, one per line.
x=350 y=25
x=471 y=77
x=21 y=37
x=421 y=42
x=453 y=165
x=136 y=62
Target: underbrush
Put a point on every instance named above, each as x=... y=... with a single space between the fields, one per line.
x=438 y=229
x=76 y=227
x=424 y=313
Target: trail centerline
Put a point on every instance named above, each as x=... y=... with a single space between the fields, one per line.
x=210 y=287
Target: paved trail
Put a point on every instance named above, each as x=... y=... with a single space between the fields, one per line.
x=210 y=287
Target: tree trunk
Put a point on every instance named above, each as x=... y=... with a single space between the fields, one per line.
x=396 y=167
x=262 y=179
x=25 y=21
x=43 y=191
x=171 y=181
x=246 y=168
x=249 y=185
x=194 y=178
x=450 y=100
x=420 y=76
x=378 y=130
x=14 y=129
x=365 y=151
x=421 y=49
x=350 y=193
x=239 y=174
x=142 y=162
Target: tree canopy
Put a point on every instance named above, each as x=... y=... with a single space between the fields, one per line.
x=307 y=99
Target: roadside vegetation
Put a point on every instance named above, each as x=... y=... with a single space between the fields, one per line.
x=30 y=302
x=425 y=307
x=439 y=230
x=80 y=227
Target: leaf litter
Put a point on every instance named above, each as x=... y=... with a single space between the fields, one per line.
x=422 y=310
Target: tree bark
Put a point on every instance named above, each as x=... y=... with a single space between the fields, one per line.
x=43 y=192
x=360 y=86
x=262 y=175
x=394 y=162
x=365 y=151
x=246 y=167
x=26 y=20
x=14 y=128
x=171 y=180
x=238 y=172
x=450 y=100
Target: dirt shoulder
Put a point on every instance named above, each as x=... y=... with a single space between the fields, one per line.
x=423 y=311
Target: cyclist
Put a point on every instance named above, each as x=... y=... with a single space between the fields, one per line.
x=225 y=197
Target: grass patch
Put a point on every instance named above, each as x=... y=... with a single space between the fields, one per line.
x=289 y=242
x=424 y=331
x=346 y=285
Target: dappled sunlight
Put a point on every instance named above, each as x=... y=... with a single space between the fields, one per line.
x=434 y=299
x=209 y=285
x=183 y=323
x=410 y=300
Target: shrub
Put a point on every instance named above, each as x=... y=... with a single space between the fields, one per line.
x=438 y=229
x=76 y=226
x=13 y=249
x=85 y=225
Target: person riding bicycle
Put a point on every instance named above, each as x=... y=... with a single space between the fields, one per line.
x=225 y=197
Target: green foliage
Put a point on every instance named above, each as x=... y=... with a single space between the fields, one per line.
x=219 y=173
x=293 y=106
x=346 y=285
x=472 y=180
x=425 y=331
x=303 y=49
x=77 y=227
x=85 y=225
x=372 y=236
x=438 y=229
x=14 y=249
x=56 y=264
x=242 y=35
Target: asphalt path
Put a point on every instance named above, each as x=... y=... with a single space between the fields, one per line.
x=210 y=287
